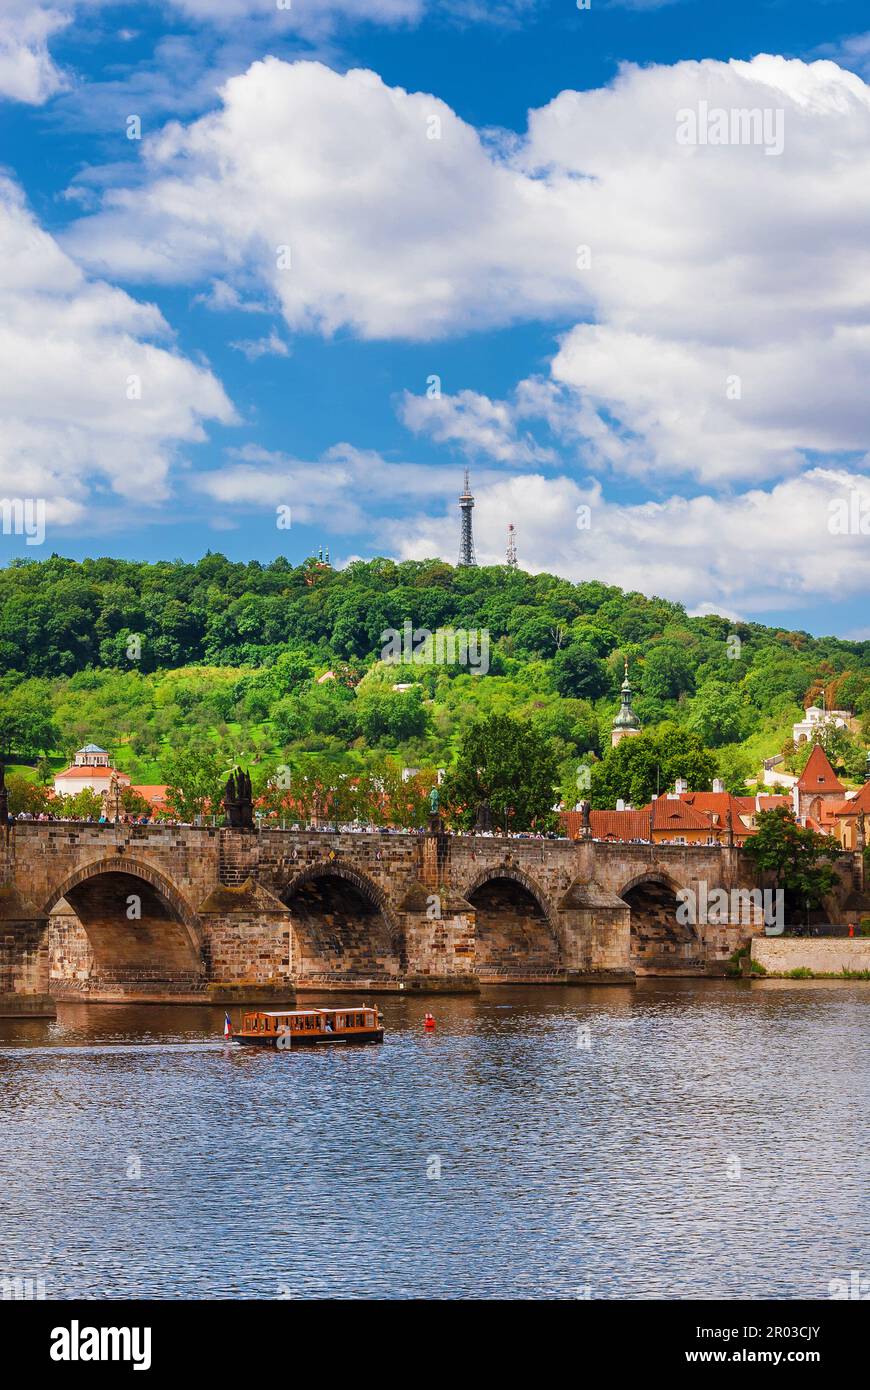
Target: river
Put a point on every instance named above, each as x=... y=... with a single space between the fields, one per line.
x=680 y=1139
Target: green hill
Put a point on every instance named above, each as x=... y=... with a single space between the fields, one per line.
x=151 y=659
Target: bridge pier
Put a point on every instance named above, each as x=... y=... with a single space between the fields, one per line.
x=181 y=913
x=439 y=930
x=248 y=945
x=24 y=985
x=594 y=928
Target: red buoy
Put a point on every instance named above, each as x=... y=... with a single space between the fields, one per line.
x=429 y=1023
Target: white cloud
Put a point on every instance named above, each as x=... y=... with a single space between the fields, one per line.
x=759 y=551
x=755 y=552
x=389 y=232
x=716 y=271
x=222 y=298
x=345 y=489
x=255 y=348
x=719 y=270
x=852 y=52
x=301 y=14
x=27 y=72
x=475 y=423
x=71 y=353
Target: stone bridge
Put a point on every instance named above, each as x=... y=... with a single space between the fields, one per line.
x=186 y=914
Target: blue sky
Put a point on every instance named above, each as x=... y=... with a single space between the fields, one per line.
x=362 y=244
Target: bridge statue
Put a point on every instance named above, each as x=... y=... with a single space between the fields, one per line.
x=239 y=801
x=111 y=800
x=483 y=822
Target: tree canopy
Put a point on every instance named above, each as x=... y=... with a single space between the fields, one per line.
x=278 y=664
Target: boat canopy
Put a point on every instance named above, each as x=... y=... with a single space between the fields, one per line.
x=307 y=1013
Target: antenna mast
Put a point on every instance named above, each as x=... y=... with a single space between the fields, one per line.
x=466 y=537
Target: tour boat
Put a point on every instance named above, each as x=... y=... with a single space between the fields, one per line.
x=289 y=1028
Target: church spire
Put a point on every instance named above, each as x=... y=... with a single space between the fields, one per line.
x=626 y=722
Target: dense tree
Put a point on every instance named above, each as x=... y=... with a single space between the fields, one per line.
x=387 y=716
x=26 y=725
x=25 y=795
x=717 y=714
x=802 y=860
x=578 y=673
x=641 y=767
x=195 y=783
x=509 y=765
x=85 y=805
x=734 y=766
x=150 y=658
x=133 y=803
x=667 y=673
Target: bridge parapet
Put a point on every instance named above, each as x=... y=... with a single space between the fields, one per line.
x=266 y=909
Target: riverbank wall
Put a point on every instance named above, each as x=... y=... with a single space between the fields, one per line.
x=822 y=955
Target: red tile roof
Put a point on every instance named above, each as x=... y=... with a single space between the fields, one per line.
x=609 y=825
x=827 y=814
x=92 y=773
x=856 y=805
x=672 y=813
x=704 y=811
x=155 y=794
x=720 y=804
x=619 y=825
x=818 y=775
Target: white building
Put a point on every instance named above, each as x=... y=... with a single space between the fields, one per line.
x=814 y=721
x=90 y=770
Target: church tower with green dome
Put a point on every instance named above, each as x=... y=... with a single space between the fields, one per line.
x=626 y=722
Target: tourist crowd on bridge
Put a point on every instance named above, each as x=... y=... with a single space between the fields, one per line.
x=213 y=822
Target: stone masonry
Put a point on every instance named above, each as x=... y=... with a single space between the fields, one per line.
x=197 y=914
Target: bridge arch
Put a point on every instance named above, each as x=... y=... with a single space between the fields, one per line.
x=660 y=876
x=127 y=933
x=515 y=926
x=343 y=925
x=660 y=941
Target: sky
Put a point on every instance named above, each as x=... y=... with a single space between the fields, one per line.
x=274 y=272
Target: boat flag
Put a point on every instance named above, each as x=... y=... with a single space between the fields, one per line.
x=228 y=1027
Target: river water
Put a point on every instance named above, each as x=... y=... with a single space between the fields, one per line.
x=680 y=1139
